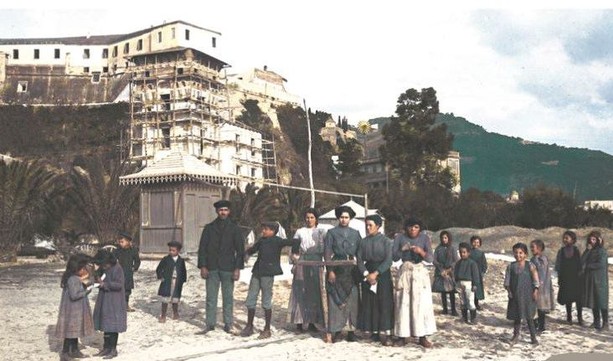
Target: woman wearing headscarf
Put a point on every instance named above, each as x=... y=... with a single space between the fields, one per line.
x=305 y=306
x=374 y=261
x=414 y=314
x=341 y=243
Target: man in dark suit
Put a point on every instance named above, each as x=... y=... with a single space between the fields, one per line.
x=220 y=259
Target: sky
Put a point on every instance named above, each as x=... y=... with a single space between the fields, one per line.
x=542 y=73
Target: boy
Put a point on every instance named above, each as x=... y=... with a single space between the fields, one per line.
x=266 y=267
x=127 y=256
x=477 y=255
x=171 y=270
x=467 y=280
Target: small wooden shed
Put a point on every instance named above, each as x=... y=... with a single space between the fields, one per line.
x=177 y=192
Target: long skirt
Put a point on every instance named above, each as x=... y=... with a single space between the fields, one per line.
x=305 y=304
x=414 y=311
x=377 y=307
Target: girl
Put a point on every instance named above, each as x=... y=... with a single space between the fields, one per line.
x=521 y=281
x=172 y=271
x=467 y=278
x=75 y=317
x=477 y=255
x=305 y=303
x=568 y=267
x=445 y=257
x=544 y=301
x=110 y=314
x=374 y=260
x=596 y=286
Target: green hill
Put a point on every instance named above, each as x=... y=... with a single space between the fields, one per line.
x=498 y=163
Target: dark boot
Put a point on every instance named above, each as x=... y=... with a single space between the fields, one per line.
x=580 y=315
x=266 y=332
x=597 y=325
x=479 y=308
x=66 y=346
x=532 y=332
x=444 y=300
x=106 y=348
x=423 y=341
x=299 y=328
x=516 y=328
x=113 y=346
x=452 y=304
x=73 y=349
x=128 y=308
x=164 y=311
x=351 y=337
x=605 y=319
x=569 y=313
x=465 y=315
x=175 y=311
x=473 y=316
x=312 y=328
x=541 y=321
x=248 y=330
x=386 y=340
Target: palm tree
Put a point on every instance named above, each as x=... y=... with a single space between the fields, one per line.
x=104 y=207
x=30 y=202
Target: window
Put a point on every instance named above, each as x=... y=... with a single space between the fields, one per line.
x=36 y=54
x=252 y=147
x=179 y=71
x=147 y=74
x=238 y=170
x=173 y=32
x=115 y=51
x=86 y=70
x=56 y=53
x=186 y=34
x=214 y=42
x=105 y=69
x=252 y=172
x=15 y=53
x=105 y=53
x=139 y=44
x=85 y=53
x=22 y=86
x=96 y=77
x=126 y=48
x=237 y=138
x=159 y=36
x=166 y=136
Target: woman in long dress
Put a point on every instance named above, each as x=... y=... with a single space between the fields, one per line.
x=414 y=314
x=305 y=305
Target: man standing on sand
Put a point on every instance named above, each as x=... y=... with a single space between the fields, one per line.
x=220 y=259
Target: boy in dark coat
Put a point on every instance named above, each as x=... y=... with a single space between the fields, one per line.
x=127 y=256
x=267 y=266
x=171 y=270
x=467 y=279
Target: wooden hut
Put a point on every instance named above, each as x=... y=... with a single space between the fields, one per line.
x=177 y=192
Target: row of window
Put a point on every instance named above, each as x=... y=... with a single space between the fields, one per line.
x=105 y=52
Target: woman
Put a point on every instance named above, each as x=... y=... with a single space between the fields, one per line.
x=341 y=243
x=414 y=316
x=596 y=279
x=374 y=257
x=305 y=300
x=445 y=257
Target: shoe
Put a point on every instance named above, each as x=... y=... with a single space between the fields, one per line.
x=130 y=309
x=111 y=354
x=514 y=339
x=247 y=331
x=264 y=334
x=77 y=354
x=534 y=341
x=386 y=340
x=299 y=328
x=402 y=341
x=423 y=342
x=375 y=337
x=351 y=337
x=162 y=319
x=103 y=352
x=337 y=337
x=312 y=328
x=445 y=311
x=205 y=330
x=605 y=327
x=479 y=308
x=454 y=313
x=227 y=329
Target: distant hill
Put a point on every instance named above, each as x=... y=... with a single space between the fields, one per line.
x=498 y=163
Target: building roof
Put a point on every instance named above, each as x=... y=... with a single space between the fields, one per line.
x=178 y=49
x=175 y=166
x=95 y=39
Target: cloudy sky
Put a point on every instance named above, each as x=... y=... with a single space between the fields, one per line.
x=539 y=73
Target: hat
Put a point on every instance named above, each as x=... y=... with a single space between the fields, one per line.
x=175 y=244
x=271 y=225
x=221 y=204
x=342 y=209
x=375 y=218
x=103 y=257
x=125 y=235
x=411 y=222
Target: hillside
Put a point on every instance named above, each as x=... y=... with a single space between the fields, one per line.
x=502 y=164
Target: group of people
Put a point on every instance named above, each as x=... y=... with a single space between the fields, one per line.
x=358 y=291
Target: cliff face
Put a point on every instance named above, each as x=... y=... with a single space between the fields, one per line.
x=51 y=85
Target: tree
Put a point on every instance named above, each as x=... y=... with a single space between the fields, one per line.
x=349 y=158
x=413 y=144
x=31 y=195
x=253 y=116
x=102 y=205
x=544 y=206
